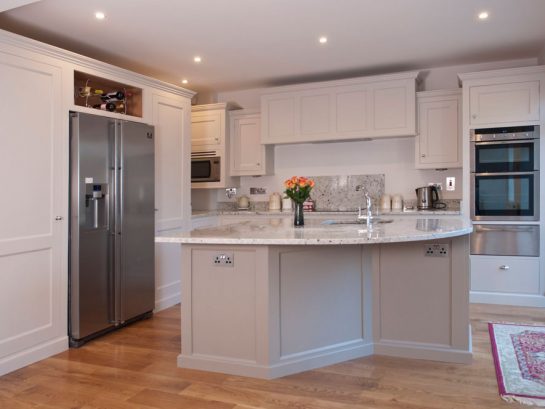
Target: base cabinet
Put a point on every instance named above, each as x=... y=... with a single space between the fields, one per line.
x=497 y=274
x=438 y=143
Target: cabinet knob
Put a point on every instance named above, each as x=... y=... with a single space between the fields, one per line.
x=504 y=267
x=423 y=155
x=58 y=218
x=474 y=116
x=258 y=164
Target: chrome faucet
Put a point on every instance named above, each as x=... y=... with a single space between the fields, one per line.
x=369 y=203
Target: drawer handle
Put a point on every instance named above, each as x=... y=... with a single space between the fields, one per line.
x=504 y=267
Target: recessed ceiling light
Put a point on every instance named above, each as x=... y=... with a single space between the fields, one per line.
x=184 y=81
x=483 y=15
x=100 y=15
x=322 y=39
x=197 y=59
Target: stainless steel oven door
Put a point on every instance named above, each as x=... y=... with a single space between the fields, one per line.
x=505 y=196
x=505 y=156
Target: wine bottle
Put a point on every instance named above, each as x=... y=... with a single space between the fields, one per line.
x=109 y=96
x=108 y=106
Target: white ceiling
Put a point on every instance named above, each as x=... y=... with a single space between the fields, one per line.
x=252 y=43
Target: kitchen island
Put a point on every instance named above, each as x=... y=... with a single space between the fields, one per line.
x=266 y=299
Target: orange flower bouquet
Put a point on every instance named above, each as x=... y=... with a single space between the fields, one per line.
x=298 y=189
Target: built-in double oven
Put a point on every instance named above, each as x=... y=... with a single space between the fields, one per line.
x=505 y=174
x=505 y=191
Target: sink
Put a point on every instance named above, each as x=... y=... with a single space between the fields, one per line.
x=377 y=220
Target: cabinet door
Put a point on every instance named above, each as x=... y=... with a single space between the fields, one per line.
x=515 y=102
x=438 y=143
x=247 y=152
x=171 y=118
x=393 y=108
x=280 y=116
x=172 y=170
x=33 y=240
x=207 y=128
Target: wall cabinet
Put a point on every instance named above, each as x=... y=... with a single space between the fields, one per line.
x=438 y=143
x=209 y=133
x=249 y=157
x=207 y=127
x=368 y=107
x=499 y=103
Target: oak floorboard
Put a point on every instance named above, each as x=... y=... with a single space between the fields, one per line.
x=135 y=368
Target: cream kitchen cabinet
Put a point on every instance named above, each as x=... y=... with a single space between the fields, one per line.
x=208 y=126
x=249 y=157
x=511 y=102
x=209 y=137
x=438 y=143
x=33 y=236
x=503 y=97
x=34 y=151
x=358 y=108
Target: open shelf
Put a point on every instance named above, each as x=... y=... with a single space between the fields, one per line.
x=89 y=89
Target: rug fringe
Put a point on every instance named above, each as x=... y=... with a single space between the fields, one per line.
x=524 y=400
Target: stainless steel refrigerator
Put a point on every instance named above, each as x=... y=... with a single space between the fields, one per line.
x=111 y=280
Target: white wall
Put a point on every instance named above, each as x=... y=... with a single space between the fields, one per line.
x=541 y=56
x=393 y=157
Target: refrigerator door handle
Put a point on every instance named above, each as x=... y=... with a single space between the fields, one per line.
x=112 y=197
x=117 y=215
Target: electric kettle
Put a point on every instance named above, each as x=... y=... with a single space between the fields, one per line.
x=426 y=197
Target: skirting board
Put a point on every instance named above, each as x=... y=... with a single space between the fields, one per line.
x=423 y=352
x=28 y=356
x=522 y=300
x=167 y=302
x=288 y=367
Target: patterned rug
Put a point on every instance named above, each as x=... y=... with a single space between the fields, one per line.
x=519 y=356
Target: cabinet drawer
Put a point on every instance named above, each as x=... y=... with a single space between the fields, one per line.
x=505 y=274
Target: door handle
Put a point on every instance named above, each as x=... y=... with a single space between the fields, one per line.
x=504 y=267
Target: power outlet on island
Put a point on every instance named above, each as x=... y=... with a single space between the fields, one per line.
x=436 y=250
x=224 y=259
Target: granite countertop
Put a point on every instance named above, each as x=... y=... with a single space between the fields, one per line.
x=207 y=213
x=317 y=231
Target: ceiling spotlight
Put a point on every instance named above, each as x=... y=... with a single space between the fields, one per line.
x=197 y=59
x=483 y=15
x=184 y=81
x=100 y=15
x=322 y=40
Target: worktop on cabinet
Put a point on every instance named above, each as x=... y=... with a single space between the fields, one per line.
x=320 y=231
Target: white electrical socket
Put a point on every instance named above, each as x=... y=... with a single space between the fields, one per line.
x=451 y=184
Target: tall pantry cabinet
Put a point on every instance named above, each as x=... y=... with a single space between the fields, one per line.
x=38 y=84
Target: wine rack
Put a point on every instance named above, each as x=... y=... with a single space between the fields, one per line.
x=103 y=94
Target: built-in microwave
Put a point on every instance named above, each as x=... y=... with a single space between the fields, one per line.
x=205 y=167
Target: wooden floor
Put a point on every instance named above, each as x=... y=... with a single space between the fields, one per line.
x=136 y=368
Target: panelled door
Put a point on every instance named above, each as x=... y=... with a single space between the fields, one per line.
x=33 y=157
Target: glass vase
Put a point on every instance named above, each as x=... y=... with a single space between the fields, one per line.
x=298 y=216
